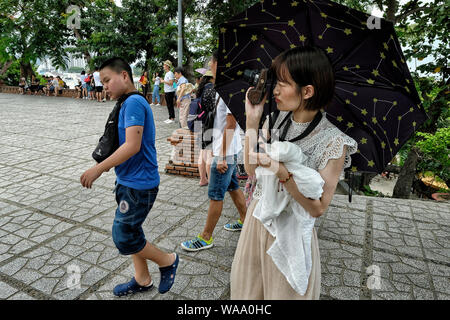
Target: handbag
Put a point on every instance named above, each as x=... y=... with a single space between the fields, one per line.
x=109 y=141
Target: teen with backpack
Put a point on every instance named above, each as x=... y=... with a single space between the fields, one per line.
x=137 y=182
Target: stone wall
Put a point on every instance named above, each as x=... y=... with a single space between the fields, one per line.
x=68 y=93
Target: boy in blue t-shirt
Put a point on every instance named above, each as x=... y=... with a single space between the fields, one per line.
x=137 y=182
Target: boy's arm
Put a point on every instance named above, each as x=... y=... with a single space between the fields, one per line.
x=132 y=145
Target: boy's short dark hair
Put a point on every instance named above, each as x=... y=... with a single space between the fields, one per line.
x=307 y=66
x=118 y=65
x=179 y=70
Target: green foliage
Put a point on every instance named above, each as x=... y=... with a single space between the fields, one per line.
x=371 y=193
x=31 y=30
x=12 y=75
x=435 y=149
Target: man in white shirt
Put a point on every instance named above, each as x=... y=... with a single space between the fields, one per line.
x=169 y=90
x=98 y=85
x=223 y=175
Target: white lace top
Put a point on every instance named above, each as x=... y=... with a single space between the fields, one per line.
x=325 y=142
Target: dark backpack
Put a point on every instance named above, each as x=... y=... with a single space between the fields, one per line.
x=109 y=141
x=201 y=115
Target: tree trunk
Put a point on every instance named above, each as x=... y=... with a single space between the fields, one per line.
x=391 y=10
x=26 y=71
x=5 y=67
x=406 y=177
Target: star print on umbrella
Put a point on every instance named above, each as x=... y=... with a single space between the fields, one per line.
x=375 y=100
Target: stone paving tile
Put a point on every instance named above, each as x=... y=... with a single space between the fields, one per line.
x=20 y=156
x=343 y=224
x=402 y=278
x=6 y=291
x=435 y=241
x=69 y=148
x=24 y=229
x=25 y=141
x=89 y=246
x=74 y=173
x=440 y=275
x=6 y=208
x=341 y=268
x=50 y=163
x=36 y=189
x=358 y=202
x=436 y=214
x=10 y=175
x=183 y=191
x=48 y=268
x=79 y=204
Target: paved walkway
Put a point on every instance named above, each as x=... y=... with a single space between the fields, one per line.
x=55 y=236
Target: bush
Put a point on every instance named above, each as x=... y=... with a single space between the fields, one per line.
x=435 y=153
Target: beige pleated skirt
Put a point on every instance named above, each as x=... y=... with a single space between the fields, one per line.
x=254 y=276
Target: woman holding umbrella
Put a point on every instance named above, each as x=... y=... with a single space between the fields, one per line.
x=305 y=85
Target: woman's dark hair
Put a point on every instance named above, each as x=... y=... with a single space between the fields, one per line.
x=83 y=72
x=118 y=65
x=201 y=86
x=307 y=66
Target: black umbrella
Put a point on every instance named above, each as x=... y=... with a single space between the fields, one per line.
x=375 y=99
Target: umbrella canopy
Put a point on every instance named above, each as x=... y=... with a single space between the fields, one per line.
x=375 y=100
x=201 y=70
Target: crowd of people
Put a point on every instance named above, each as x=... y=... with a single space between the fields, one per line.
x=90 y=87
x=277 y=256
x=46 y=85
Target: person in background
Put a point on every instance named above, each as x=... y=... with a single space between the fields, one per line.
x=34 y=87
x=98 y=85
x=55 y=84
x=84 y=93
x=144 y=84
x=79 y=88
x=156 y=99
x=169 y=90
x=207 y=93
x=61 y=84
x=226 y=146
x=22 y=85
x=183 y=96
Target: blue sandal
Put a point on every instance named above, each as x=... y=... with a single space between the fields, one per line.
x=130 y=287
x=168 y=276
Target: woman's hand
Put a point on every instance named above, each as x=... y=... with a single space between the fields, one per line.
x=261 y=159
x=253 y=113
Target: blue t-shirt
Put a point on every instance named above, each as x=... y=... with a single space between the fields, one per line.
x=141 y=170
